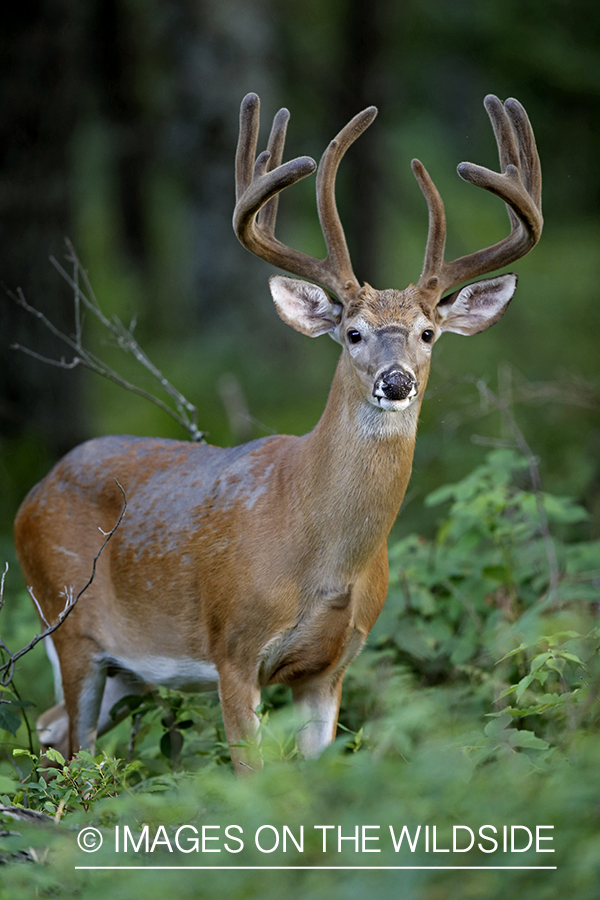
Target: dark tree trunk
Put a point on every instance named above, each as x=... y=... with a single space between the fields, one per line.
x=41 y=69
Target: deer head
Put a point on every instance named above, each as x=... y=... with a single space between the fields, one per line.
x=387 y=335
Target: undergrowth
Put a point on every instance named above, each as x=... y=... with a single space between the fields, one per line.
x=477 y=694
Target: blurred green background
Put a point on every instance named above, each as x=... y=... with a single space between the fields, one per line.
x=118 y=123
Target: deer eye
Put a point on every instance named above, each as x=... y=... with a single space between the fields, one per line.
x=427 y=336
x=354 y=336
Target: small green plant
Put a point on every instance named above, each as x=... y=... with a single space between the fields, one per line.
x=558 y=680
x=65 y=787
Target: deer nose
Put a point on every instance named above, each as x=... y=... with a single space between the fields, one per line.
x=396 y=384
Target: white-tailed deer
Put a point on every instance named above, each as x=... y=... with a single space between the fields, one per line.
x=267 y=563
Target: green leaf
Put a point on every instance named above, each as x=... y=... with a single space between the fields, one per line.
x=497 y=725
x=513 y=652
x=523 y=685
x=441 y=495
x=8 y=786
x=528 y=740
x=538 y=661
x=21 y=704
x=9 y=720
x=20 y=751
x=571 y=657
x=55 y=756
x=558 y=665
x=496 y=573
x=554 y=639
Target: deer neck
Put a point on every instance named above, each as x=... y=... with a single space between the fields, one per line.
x=354 y=470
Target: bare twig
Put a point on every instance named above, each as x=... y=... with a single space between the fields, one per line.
x=13 y=686
x=37 y=606
x=2 y=579
x=185 y=413
x=7 y=668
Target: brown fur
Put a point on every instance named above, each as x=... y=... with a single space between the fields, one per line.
x=269 y=562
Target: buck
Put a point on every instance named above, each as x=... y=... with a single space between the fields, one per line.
x=266 y=563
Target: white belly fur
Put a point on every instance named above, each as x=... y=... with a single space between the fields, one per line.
x=181 y=674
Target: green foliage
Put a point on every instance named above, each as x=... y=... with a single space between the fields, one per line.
x=476 y=701
x=10 y=711
x=79 y=784
x=503 y=600
x=455 y=599
x=169 y=730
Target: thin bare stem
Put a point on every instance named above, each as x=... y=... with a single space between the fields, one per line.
x=38 y=607
x=14 y=688
x=76 y=299
x=7 y=668
x=2 y=580
x=185 y=413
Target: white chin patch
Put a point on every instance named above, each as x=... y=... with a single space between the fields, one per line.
x=392 y=405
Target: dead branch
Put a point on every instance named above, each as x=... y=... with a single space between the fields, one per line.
x=21 y=814
x=8 y=667
x=185 y=413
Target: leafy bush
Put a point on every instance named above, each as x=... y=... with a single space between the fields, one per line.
x=500 y=601
x=493 y=560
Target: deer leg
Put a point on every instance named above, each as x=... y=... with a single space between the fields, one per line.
x=318 y=705
x=240 y=698
x=53 y=725
x=83 y=678
x=52 y=729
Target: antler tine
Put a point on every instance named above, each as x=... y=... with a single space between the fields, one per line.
x=268 y=214
x=436 y=237
x=259 y=182
x=247 y=141
x=519 y=184
x=531 y=170
x=333 y=232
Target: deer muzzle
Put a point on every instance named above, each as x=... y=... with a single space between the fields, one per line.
x=395 y=384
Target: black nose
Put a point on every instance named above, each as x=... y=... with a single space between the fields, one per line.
x=396 y=384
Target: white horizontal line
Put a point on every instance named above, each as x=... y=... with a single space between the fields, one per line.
x=329 y=868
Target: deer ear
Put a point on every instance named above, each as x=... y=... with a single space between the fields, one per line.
x=304 y=306
x=476 y=306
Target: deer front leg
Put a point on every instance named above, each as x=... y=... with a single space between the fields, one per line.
x=240 y=698
x=318 y=705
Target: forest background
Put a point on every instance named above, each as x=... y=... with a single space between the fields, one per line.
x=118 y=125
